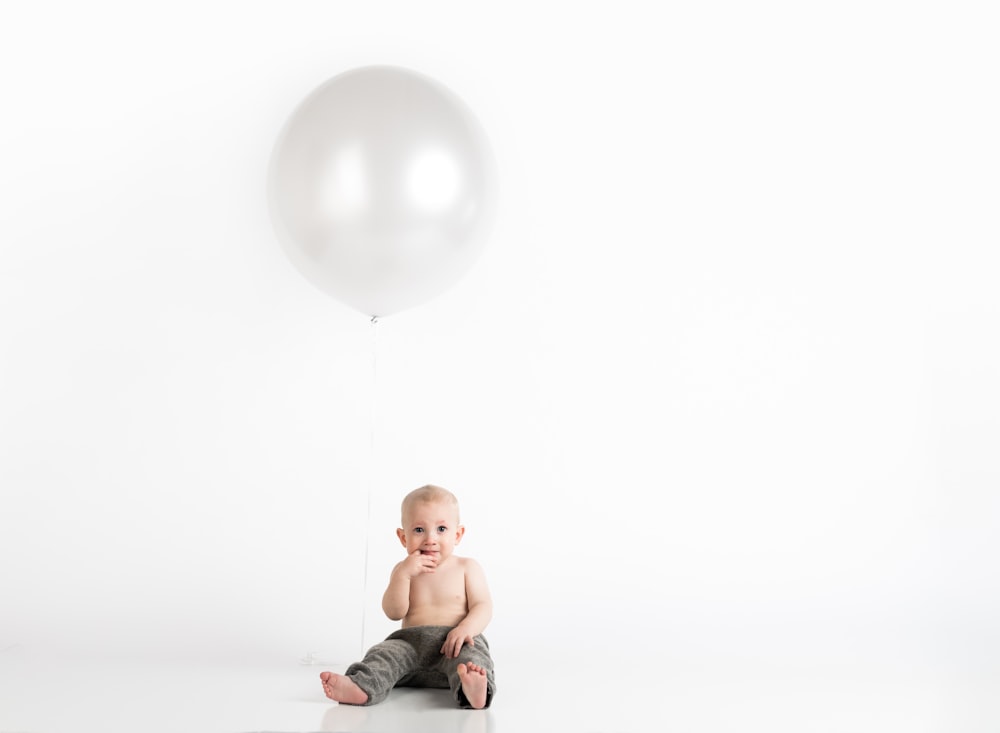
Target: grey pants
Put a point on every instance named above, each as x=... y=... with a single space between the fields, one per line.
x=412 y=658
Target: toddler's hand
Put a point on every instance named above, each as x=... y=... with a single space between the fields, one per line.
x=416 y=564
x=456 y=638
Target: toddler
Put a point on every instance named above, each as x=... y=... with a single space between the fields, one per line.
x=444 y=604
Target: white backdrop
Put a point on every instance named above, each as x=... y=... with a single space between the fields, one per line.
x=724 y=384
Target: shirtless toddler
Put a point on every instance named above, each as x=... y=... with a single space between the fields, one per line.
x=444 y=604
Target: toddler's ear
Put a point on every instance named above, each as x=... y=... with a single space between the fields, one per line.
x=402 y=536
x=459 y=533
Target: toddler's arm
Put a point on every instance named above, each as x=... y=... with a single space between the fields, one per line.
x=480 y=611
x=396 y=600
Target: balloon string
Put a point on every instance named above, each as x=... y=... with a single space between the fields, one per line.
x=371 y=479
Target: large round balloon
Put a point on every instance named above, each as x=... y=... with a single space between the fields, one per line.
x=381 y=188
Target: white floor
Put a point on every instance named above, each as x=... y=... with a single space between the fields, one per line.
x=42 y=693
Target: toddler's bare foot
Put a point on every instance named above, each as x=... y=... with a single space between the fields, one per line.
x=342 y=689
x=473 y=684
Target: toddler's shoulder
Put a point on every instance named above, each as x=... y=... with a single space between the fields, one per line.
x=471 y=565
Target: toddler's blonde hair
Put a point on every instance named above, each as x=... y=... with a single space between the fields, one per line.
x=428 y=494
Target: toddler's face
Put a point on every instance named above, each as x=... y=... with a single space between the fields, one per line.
x=432 y=528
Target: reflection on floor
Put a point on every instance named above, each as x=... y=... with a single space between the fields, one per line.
x=45 y=694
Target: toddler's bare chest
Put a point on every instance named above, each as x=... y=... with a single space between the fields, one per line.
x=444 y=589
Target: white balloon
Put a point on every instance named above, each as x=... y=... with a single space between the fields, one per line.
x=382 y=188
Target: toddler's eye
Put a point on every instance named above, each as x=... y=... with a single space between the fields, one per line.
x=442 y=529
x=418 y=530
